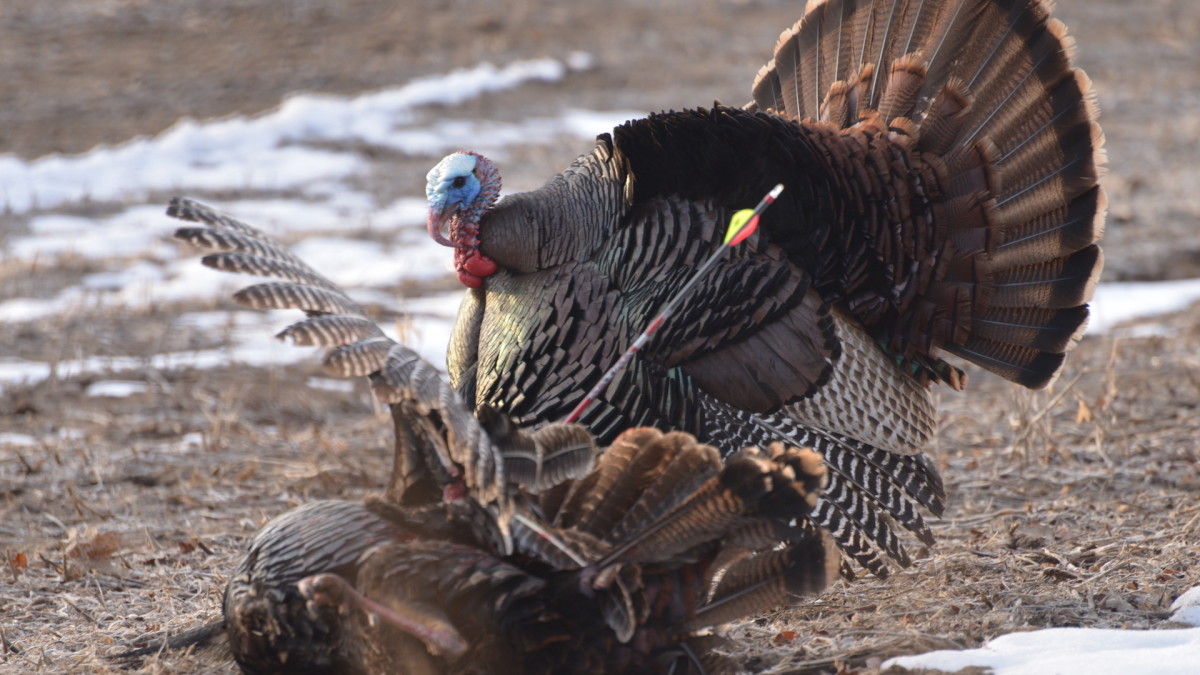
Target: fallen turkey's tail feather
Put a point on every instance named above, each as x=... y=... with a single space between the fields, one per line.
x=665 y=504
x=399 y=376
x=984 y=91
x=758 y=583
x=654 y=496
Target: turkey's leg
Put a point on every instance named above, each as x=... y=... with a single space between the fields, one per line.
x=424 y=623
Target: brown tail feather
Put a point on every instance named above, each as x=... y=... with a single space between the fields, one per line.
x=596 y=503
x=765 y=581
x=1062 y=283
x=1023 y=365
x=311 y=299
x=326 y=331
x=987 y=95
x=1067 y=228
x=691 y=465
x=1044 y=330
x=903 y=87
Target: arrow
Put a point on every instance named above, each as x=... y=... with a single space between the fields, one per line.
x=741 y=225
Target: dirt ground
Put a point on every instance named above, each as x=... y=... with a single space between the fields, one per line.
x=1078 y=506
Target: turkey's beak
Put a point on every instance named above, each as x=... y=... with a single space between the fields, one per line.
x=439 y=225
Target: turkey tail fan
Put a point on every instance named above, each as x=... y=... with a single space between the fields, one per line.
x=654 y=496
x=661 y=515
x=695 y=543
x=641 y=478
x=1033 y=117
x=984 y=91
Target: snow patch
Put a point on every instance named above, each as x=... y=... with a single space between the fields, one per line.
x=330 y=384
x=116 y=388
x=1116 y=303
x=9 y=439
x=1186 y=609
x=1058 y=651
x=191 y=439
x=273 y=151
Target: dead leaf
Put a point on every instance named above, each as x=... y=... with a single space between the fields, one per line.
x=16 y=564
x=784 y=637
x=99 y=548
x=1084 y=414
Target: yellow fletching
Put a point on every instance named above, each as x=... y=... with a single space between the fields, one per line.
x=737 y=222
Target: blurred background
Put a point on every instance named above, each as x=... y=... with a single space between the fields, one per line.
x=77 y=73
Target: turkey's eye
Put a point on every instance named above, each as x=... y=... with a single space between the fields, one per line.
x=460 y=181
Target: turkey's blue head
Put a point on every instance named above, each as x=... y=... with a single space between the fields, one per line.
x=460 y=189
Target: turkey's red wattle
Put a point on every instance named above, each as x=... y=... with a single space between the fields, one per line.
x=472 y=266
x=478 y=264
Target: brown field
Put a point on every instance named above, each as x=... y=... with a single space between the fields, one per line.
x=1076 y=506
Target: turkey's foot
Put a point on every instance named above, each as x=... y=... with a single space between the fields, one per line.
x=426 y=624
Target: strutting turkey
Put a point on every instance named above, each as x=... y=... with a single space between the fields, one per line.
x=941 y=160
x=496 y=549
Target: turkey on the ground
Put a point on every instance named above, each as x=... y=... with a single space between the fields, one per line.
x=941 y=160
x=336 y=586
x=496 y=549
